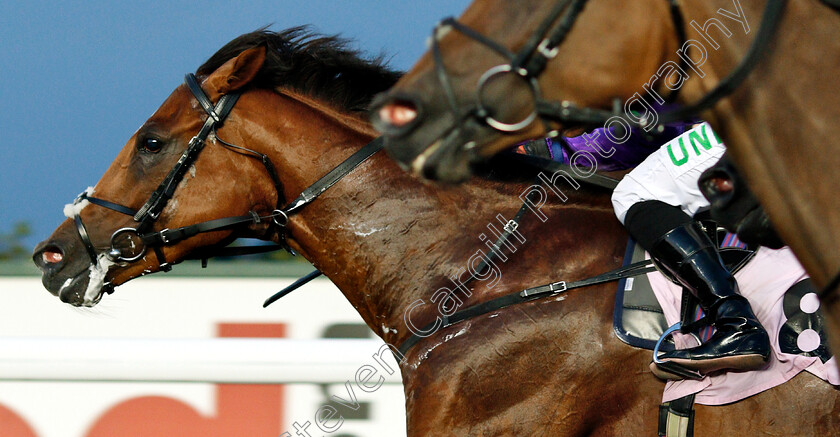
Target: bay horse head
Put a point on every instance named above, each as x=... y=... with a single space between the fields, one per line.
x=182 y=184
x=485 y=82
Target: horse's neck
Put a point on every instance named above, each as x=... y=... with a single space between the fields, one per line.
x=354 y=122
x=388 y=241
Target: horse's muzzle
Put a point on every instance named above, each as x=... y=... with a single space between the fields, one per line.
x=64 y=266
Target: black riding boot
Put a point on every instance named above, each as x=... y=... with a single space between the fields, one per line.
x=740 y=342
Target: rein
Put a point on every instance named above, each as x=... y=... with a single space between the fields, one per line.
x=530 y=62
x=527 y=295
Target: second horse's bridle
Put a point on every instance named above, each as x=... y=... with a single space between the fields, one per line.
x=530 y=62
x=146 y=216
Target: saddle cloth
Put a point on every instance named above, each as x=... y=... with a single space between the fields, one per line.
x=763 y=281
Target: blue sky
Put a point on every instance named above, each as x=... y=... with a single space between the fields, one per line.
x=78 y=78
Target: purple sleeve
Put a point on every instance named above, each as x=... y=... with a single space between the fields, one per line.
x=611 y=156
x=600 y=145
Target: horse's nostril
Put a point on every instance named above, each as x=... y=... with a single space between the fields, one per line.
x=721 y=184
x=52 y=256
x=398 y=113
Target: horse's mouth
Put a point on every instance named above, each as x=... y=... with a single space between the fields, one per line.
x=77 y=291
x=77 y=284
x=448 y=159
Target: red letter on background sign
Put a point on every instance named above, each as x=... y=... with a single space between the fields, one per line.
x=246 y=410
x=12 y=425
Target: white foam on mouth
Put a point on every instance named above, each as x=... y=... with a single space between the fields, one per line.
x=420 y=161
x=71 y=209
x=98 y=272
x=64 y=285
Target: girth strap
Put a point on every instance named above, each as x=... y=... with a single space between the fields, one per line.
x=676 y=418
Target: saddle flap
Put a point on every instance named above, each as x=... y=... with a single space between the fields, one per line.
x=638 y=319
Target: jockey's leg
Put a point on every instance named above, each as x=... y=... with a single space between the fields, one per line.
x=655 y=202
x=677 y=243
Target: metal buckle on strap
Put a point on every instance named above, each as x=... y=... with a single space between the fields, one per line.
x=511 y=226
x=555 y=287
x=545 y=51
x=163 y=236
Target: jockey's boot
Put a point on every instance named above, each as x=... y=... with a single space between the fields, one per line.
x=740 y=342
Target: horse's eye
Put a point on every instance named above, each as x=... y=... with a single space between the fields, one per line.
x=151 y=145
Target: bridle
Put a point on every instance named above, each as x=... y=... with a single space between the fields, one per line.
x=147 y=215
x=530 y=62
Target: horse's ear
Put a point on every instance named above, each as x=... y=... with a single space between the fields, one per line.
x=235 y=73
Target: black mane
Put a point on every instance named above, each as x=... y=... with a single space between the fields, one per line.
x=319 y=66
